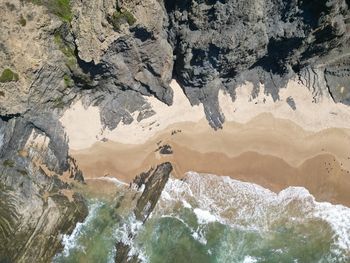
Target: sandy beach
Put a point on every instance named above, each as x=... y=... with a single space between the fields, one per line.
x=319 y=161
x=266 y=143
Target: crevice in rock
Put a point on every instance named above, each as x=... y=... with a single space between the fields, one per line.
x=329 y=89
x=8 y=117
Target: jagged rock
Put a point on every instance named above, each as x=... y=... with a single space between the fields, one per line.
x=141 y=179
x=92 y=32
x=291 y=103
x=153 y=189
x=131 y=74
x=74 y=170
x=33 y=152
x=337 y=76
x=35 y=212
x=30 y=50
x=132 y=67
x=154 y=181
x=122 y=256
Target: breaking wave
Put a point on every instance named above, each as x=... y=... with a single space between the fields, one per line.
x=250 y=207
x=209 y=218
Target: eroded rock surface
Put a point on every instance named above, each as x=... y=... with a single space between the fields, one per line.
x=221 y=43
x=154 y=182
x=36 y=206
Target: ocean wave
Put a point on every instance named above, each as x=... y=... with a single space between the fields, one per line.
x=204 y=216
x=252 y=207
x=228 y=219
x=70 y=242
x=113 y=180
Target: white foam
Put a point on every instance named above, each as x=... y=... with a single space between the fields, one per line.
x=70 y=242
x=199 y=237
x=186 y=204
x=142 y=188
x=250 y=259
x=203 y=216
x=126 y=233
x=196 y=234
x=338 y=217
x=247 y=205
x=110 y=179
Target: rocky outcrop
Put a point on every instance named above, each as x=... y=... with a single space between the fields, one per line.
x=30 y=50
x=34 y=216
x=154 y=182
x=154 y=186
x=219 y=44
x=206 y=46
x=36 y=206
x=121 y=62
x=165 y=149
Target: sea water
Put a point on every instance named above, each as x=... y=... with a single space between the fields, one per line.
x=209 y=218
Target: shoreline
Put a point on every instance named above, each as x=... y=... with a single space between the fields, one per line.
x=263 y=151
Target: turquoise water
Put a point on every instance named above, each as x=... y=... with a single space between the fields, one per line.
x=216 y=219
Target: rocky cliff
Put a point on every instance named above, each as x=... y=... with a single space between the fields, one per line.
x=37 y=206
x=113 y=54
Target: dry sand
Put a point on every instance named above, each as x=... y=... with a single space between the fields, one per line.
x=262 y=141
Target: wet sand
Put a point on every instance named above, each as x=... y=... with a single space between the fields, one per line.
x=274 y=153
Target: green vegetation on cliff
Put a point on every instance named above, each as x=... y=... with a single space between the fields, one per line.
x=22 y=21
x=8 y=75
x=68 y=81
x=67 y=50
x=60 y=8
x=121 y=16
x=9 y=163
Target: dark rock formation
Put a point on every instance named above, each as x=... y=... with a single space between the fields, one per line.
x=132 y=72
x=154 y=182
x=141 y=179
x=74 y=171
x=123 y=254
x=153 y=189
x=291 y=103
x=34 y=211
x=218 y=44
x=165 y=149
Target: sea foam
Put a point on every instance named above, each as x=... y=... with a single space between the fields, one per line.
x=70 y=242
x=253 y=207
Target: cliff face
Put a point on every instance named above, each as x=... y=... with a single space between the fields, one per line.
x=220 y=44
x=112 y=54
x=36 y=206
